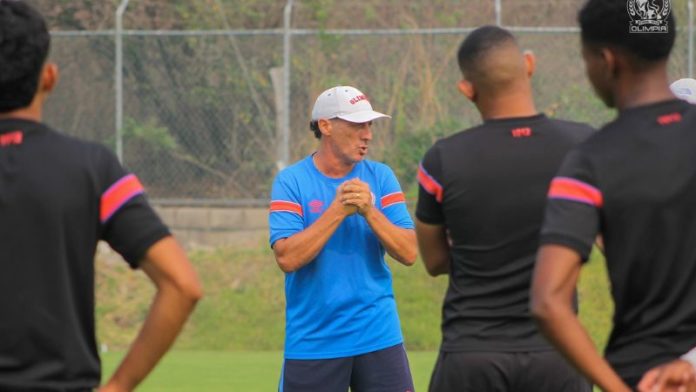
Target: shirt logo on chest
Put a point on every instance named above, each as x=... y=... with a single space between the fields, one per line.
x=316 y=206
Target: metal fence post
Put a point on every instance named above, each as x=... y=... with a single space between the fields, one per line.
x=118 y=84
x=284 y=148
x=691 y=38
x=498 y=13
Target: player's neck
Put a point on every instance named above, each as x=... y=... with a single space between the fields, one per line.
x=507 y=106
x=642 y=89
x=32 y=112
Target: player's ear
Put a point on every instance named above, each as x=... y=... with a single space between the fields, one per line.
x=467 y=89
x=324 y=127
x=609 y=61
x=530 y=62
x=49 y=78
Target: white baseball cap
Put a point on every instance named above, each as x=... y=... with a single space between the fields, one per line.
x=346 y=103
x=685 y=89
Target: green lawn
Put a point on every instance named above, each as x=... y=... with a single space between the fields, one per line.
x=210 y=371
x=225 y=371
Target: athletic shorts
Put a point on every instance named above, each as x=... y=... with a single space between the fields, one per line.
x=538 y=371
x=385 y=370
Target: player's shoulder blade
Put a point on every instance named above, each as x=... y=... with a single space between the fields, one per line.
x=47 y=141
x=456 y=140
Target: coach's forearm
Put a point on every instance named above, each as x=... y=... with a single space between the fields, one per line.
x=300 y=249
x=399 y=243
x=168 y=313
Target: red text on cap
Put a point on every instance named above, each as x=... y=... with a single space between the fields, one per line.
x=358 y=99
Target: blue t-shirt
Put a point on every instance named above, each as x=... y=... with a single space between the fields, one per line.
x=341 y=304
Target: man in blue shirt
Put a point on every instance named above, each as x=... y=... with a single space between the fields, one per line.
x=332 y=217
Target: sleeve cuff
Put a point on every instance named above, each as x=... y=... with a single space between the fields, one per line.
x=579 y=246
x=135 y=256
x=431 y=220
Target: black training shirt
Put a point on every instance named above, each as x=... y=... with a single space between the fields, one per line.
x=58 y=197
x=635 y=183
x=488 y=186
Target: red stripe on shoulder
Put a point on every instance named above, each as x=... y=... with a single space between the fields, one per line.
x=429 y=184
x=392 y=198
x=575 y=190
x=119 y=194
x=286 y=206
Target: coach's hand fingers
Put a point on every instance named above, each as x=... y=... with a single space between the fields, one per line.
x=647 y=383
x=674 y=376
x=353 y=186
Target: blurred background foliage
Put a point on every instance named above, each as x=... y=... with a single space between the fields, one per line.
x=201 y=109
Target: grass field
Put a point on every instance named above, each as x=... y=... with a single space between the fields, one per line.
x=234 y=339
x=225 y=371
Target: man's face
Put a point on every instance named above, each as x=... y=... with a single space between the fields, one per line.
x=599 y=73
x=350 y=140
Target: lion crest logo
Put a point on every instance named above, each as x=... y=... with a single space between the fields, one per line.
x=648 y=16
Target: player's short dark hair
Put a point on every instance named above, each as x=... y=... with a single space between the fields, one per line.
x=478 y=43
x=314 y=126
x=24 y=45
x=606 y=22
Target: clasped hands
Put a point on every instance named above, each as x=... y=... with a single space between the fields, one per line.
x=355 y=196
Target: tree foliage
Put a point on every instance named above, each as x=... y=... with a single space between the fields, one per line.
x=211 y=97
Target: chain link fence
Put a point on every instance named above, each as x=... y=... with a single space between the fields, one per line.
x=203 y=111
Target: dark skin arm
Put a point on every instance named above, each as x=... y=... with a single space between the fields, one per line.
x=434 y=247
x=555 y=278
x=599 y=243
x=178 y=290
